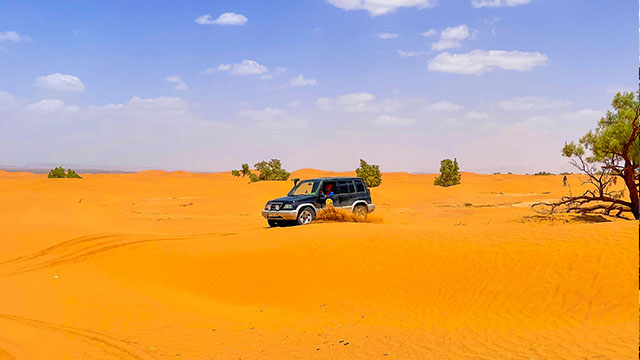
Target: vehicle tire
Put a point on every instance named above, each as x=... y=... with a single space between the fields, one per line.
x=306 y=215
x=273 y=223
x=361 y=211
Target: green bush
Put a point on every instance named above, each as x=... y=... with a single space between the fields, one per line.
x=449 y=173
x=235 y=173
x=369 y=173
x=72 y=174
x=59 y=173
x=271 y=170
x=253 y=177
x=543 y=173
x=245 y=170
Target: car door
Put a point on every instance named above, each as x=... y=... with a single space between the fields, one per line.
x=346 y=193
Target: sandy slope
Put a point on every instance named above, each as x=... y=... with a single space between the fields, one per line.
x=160 y=265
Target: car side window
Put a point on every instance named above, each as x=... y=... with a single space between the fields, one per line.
x=351 y=187
x=343 y=187
x=359 y=186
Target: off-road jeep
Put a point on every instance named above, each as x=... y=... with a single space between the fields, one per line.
x=308 y=197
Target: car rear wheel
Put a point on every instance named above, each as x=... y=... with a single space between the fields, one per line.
x=305 y=216
x=273 y=223
x=361 y=211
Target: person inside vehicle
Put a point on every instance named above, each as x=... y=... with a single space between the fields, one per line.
x=328 y=190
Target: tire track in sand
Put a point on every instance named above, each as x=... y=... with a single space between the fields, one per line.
x=121 y=346
x=82 y=247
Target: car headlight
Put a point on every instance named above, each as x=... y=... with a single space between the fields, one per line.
x=268 y=206
x=287 y=206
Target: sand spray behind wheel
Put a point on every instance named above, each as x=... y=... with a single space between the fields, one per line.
x=331 y=214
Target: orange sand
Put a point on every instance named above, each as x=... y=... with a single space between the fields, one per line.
x=159 y=265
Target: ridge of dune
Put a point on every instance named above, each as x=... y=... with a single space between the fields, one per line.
x=154 y=264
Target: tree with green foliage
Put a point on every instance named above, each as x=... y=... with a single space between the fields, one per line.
x=606 y=154
x=245 y=170
x=235 y=173
x=271 y=170
x=369 y=173
x=449 y=173
x=59 y=173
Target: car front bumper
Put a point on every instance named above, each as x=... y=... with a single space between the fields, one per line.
x=280 y=214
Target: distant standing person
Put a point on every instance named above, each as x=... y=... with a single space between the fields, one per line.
x=564 y=180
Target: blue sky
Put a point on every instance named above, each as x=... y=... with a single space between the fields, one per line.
x=499 y=84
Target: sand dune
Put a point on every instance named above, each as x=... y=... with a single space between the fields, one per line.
x=158 y=265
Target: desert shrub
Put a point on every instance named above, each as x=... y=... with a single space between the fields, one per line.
x=449 y=173
x=271 y=170
x=509 y=173
x=369 y=173
x=497 y=173
x=72 y=174
x=268 y=170
x=245 y=170
x=565 y=173
x=253 y=177
x=543 y=173
x=59 y=173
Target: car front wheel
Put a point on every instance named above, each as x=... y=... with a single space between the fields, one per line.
x=305 y=216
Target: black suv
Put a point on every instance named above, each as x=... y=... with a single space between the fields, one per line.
x=310 y=196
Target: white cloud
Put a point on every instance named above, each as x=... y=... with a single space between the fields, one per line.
x=229 y=18
x=180 y=84
x=381 y=7
x=262 y=114
x=480 y=61
x=411 y=53
x=48 y=106
x=60 y=82
x=430 y=32
x=143 y=107
x=451 y=37
x=275 y=73
x=7 y=100
x=531 y=102
x=324 y=103
x=475 y=115
x=442 y=106
x=301 y=81
x=13 y=37
x=387 y=36
x=357 y=102
x=387 y=120
x=245 y=67
x=271 y=117
x=497 y=3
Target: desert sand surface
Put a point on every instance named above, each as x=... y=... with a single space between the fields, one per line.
x=158 y=265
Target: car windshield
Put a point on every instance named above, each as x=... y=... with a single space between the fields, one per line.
x=305 y=187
